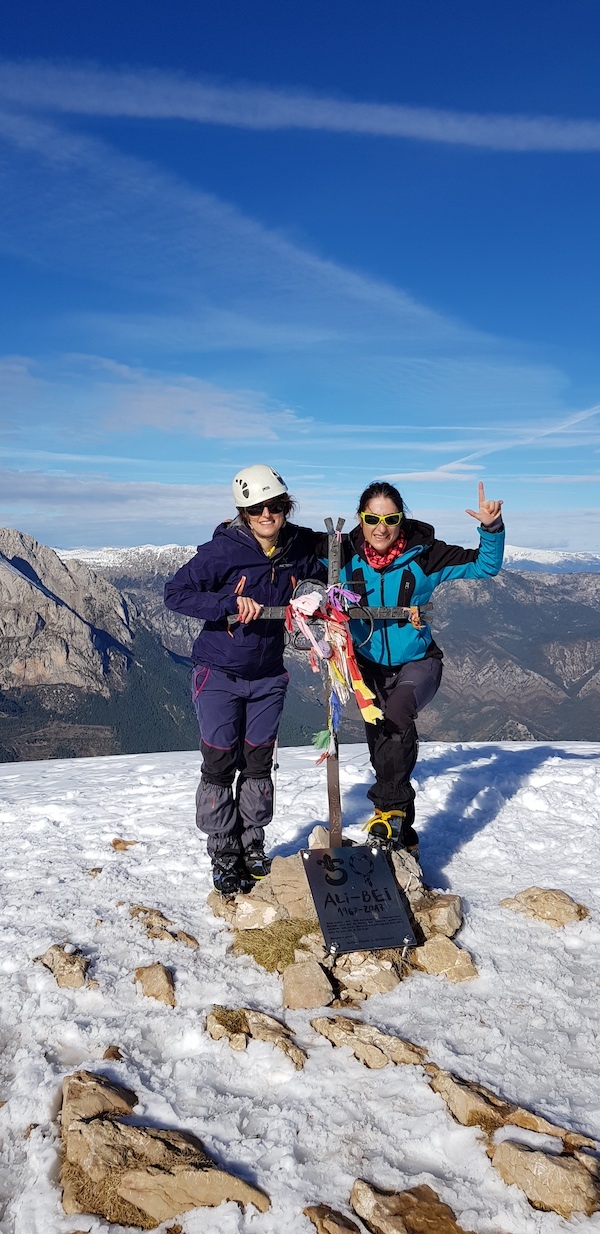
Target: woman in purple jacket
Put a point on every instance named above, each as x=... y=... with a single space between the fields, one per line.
x=239 y=681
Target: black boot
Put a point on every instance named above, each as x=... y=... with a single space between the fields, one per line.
x=257 y=864
x=229 y=875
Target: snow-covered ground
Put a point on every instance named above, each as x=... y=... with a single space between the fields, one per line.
x=494 y=819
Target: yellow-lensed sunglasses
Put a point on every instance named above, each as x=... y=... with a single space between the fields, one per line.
x=372 y=520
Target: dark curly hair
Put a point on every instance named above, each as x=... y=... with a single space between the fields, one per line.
x=380 y=488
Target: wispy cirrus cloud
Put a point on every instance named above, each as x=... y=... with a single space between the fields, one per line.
x=146 y=94
x=90 y=396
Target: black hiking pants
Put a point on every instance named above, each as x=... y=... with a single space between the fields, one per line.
x=401 y=693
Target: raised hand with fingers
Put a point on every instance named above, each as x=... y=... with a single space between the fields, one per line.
x=488 y=511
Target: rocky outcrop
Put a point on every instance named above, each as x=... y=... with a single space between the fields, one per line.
x=306 y=985
x=69 y=968
x=363 y=973
x=264 y=923
x=157 y=925
x=547 y=904
x=472 y=1105
x=135 y=1175
x=240 y=1025
x=157 y=982
x=552 y=1182
x=81 y=672
x=327 y=1221
x=418 y=1210
x=443 y=958
x=369 y=1045
x=59 y=624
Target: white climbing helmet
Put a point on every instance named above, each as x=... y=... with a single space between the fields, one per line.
x=257 y=483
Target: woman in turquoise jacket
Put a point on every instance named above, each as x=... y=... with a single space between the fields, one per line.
x=392 y=560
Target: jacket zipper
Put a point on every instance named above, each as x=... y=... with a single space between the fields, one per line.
x=385 y=633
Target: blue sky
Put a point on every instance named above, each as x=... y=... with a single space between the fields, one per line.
x=353 y=240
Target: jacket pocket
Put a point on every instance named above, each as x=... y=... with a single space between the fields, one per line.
x=199 y=680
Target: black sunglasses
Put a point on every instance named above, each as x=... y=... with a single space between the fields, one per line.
x=277 y=505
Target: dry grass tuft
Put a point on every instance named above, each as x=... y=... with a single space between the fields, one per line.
x=102 y=1199
x=235 y=1021
x=274 y=947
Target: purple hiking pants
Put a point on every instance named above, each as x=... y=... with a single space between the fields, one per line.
x=238 y=722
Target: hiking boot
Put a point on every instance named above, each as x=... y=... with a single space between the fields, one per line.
x=229 y=875
x=391 y=830
x=257 y=864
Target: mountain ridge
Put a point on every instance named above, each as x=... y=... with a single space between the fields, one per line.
x=92 y=661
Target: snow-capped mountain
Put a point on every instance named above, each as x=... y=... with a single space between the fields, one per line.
x=550 y=561
x=144 y=559
x=166 y=558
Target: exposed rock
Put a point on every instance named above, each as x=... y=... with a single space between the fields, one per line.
x=59 y=624
x=547 y=904
x=591 y=1163
x=306 y=985
x=156 y=925
x=142 y=1176
x=113 y=1053
x=230 y=1023
x=67 y=967
x=319 y=838
x=122 y=845
x=441 y=956
x=409 y=877
x=221 y=906
x=552 y=1182
x=572 y=1140
x=327 y=1221
x=265 y=1028
x=418 y=1210
x=469 y=1103
x=254 y=913
x=181 y=936
x=95 y=871
x=157 y=982
x=368 y=1044
x=438 y=914
x=363 y=973
x=312 y=944
x=290 y=886
x=85 y=1095
x=243 y=1023
x=472 y=1105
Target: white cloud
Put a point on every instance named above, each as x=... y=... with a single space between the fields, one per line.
x=94 y=395
x=72 y=512
x=92 y=91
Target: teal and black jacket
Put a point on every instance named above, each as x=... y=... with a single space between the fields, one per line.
x=411 y=579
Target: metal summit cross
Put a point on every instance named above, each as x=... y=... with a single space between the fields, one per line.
x=375 y=613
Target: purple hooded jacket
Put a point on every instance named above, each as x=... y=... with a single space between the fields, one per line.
x=205 y=588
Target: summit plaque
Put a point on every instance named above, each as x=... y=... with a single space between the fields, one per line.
x=358 y=902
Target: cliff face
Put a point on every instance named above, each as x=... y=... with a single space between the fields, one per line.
x=59 y=624
x=80 y=671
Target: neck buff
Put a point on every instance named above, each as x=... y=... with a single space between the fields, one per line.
x=379 y=561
